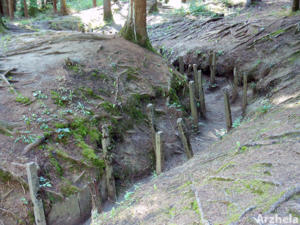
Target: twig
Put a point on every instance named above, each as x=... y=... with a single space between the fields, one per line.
x=290 y=193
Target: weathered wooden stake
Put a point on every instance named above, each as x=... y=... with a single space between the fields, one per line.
x=33 y=182
x=213 y=69
x=245 y=89
x=195 y=70
x=193 y=105
x=159 y=153
x=181 y=64
x=184 y=139
x=201 y=94
x=235 y=85
x=150 y=112
x=110 y=180
x=227 y=111
x=189 y=69
x=96 y=196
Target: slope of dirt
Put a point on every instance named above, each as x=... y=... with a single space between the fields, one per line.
x=67 y=86
x=254 y=165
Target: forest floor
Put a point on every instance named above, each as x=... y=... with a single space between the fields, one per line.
x=66 y=81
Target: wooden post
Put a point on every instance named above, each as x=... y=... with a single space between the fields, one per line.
x=193 y=105
x=213 y=69
x=245 y=89
x=159 y=153
x=96 y=196
x=201 y=94
x=184 y=139
x=195 y=70
x=150 y=112
x=227 y=111
x=33 y=182
x=110 y=180
x=181 y=65
x=189 y=69
x=235 y=85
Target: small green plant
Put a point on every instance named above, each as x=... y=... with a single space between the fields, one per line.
x=237 y=122
x=39 y=95
x=128 y=195
x=62 y=132
x=44 y=182
x=22 y=99
x=266 y=106
x=44 y=126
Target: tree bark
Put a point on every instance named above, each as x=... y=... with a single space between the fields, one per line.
x=2 y=27
x=11 y=9
x=63 y=7
x=295 y=5
x=107 y=14
x=25 y=8
x=55 y=6
x=154 y=7
x=135 y=29
x=94 y=3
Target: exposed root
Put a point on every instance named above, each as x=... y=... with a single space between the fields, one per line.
x=243 y=214
x=6 y=81
x=203 y=220
x=287 y=196
x=39 y=141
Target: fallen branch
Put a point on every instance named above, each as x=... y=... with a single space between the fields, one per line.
x=287 y=196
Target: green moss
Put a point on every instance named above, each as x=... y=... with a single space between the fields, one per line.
x=294 y=213
x=24 y=100
x=225 y=166
x=256 y=186
x=57 y=166
x=5 y=176
x=233 y=214
x=195 y=207
x=90 y=155
x=110 y=108
x=68 y=189
x=221 y=179
x=133 y=107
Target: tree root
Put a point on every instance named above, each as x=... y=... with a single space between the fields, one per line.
x=39 y=141
x=244 y=214
x=287 y=196
x=202 y=218
x=6 y=81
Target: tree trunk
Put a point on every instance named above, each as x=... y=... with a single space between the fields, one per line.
x=25 y=9
x=2 y=27
x=135 y=29
x=63 y=7
x=295 y=5
x=55 y=6
x=154 y=7
x=94 y=3
x=107 y=14
x=5 y=7
x=11 y=9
